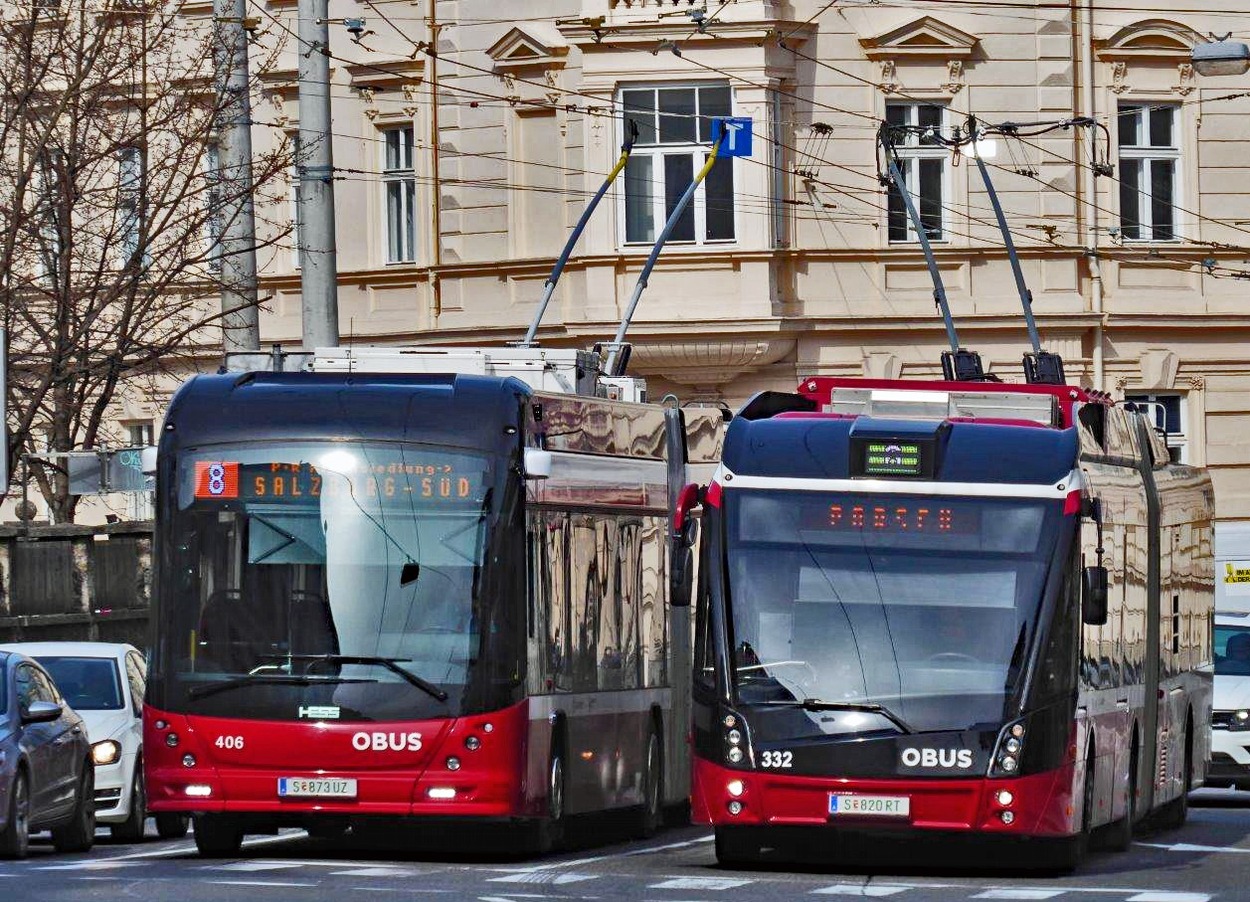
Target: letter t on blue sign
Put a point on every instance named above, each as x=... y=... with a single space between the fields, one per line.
x=737 y=131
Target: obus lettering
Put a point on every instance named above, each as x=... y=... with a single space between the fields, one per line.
x=960 y=758
x=386 y=742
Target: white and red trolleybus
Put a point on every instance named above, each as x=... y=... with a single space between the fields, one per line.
x=949 y=608
x=419 y=595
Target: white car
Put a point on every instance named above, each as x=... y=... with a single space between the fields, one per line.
x=1230 y=717
x=104 y=682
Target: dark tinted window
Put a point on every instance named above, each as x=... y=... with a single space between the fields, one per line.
x=25 y=687
x=1232 y=650
x=88 y=684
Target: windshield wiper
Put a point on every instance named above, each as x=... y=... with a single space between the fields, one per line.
x=816 y=704
x=391 y=664
x=254 y=679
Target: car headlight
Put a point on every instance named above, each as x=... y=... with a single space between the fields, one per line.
x=1240 y=720
x=106 y=752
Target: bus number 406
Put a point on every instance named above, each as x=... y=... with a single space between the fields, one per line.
x=229 y=742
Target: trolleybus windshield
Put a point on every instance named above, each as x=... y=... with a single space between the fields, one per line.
x=325 y=580
x=923 y=605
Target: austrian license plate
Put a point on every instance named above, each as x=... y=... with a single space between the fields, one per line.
x=316 y=787
x=845 y=805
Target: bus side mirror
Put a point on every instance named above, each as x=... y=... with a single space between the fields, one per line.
x=1094 y=595
x=537 y=463
x=683 y=523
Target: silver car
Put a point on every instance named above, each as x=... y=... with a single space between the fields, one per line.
x=47 y=778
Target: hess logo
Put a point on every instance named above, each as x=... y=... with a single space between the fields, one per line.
x=961 y=758
x=386 y=742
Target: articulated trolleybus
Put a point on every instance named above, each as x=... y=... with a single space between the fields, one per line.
x=950 y=608
x=392 y=587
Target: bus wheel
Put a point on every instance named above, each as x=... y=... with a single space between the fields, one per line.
x=736 y=846
x=551 y=829
x=217 y=836
x=652 y=813
x=1070 y=851
x=172 y=824
x=1119 y=834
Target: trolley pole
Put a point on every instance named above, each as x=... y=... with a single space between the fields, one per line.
x=240 y=321
x=315 y=170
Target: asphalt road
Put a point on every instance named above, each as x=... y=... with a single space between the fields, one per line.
x=1209 y=859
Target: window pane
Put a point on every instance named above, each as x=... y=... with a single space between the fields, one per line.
x=640 y=107
x=639 y=210
x=392 y=149
x=1161 y=127
x=678 y=173
x=931 y=197
x=719 y=195
x=713 y=102
x=896 y=113
x=897 y=216
x=929 y=117
x=1161 y=172
x=1129 y=121
x=394 y=220
x=679 y=126
x=410 y=205
x=1130 y=198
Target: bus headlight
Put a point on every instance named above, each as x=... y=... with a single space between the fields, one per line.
x=1009 y=750
x=735 y=739
x=106 y=752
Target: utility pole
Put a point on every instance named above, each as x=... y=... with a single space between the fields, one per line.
x=315 y=168
x=240 y=323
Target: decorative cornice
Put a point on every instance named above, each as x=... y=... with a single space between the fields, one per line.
x=528 y=47
x=707 y=362
x=1156 y=39
x=925 y=38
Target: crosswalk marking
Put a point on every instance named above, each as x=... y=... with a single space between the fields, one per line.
x=1004 y=893
x=706 y=883
x=97 y=865
x=553 y=878
x=1165 y=896
x=381 y=871
x=252 y=866
x=861 y=889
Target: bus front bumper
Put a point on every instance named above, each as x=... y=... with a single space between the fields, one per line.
x=1038 y=805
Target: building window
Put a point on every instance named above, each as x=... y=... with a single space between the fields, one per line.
x=401 y=195
x=674 y=139
x=1148 y=177
x=295 y=231
x=213 y=199
x=49 y=216
x=1167 y=412
x=142 y=433
x=129 y=195
x=922 y=160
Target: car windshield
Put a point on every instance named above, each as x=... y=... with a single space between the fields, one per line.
x=923 y=605
x=1232 y=650
x=332 y=577
x=87 y=684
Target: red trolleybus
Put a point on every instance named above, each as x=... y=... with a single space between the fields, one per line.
x=950 y=608
x=370 y=602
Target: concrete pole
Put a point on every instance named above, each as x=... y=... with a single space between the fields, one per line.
x=315 y=167
x=240 y=323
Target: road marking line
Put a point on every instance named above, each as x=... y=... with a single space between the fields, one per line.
x=380 y=871
x=189 y=847
x=1190 y=847
x=673 y=845
x=861 y=889
x=256 y=883
x=1019 y=894
x=544 y=877
x=250 y=866
x=706 y=883
x=1164 y=896
x=87 y=865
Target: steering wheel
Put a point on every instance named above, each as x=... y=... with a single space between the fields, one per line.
x=952 y=657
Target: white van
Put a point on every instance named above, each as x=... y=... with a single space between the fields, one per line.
x=1230 y=717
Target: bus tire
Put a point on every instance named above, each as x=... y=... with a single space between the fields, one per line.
x=551 y=827
x=651 y=815
x=736 y=846
x=217 y=836
x=1118 y=835
x=1172 y=815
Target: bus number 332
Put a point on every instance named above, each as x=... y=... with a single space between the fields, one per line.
x=777 y=759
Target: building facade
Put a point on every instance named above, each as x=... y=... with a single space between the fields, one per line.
x=468 y=137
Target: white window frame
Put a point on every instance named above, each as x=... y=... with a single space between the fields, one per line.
x=293 y=196
x=141 y=432
x=1155 y=405
x=48 y=253
x=908 y=153
x=401 y=182
x=1148 y=154
x=698 y=150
